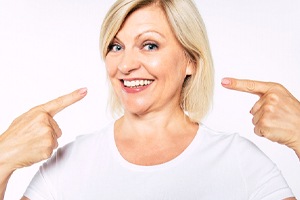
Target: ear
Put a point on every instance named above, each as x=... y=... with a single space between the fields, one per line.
x=191 y=68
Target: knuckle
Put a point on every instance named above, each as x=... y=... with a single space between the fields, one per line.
x=250 y=85
x=58 y=133
x=42 y=116
x=277 y=85
x=253 y=121
x=263 y=129
x=262 y=132
x=266 y=133
x=263 y=123
x=256 y=131
x=59 y=102
x=273 y=97
x=268 y=109
x=39 y=116
x=35 y=109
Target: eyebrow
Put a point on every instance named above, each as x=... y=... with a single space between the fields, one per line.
x=149 y=31
x=142 y=33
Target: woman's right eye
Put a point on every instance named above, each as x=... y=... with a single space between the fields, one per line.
x=114 y=47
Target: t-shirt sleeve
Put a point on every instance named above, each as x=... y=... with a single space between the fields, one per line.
x=55 y=178
x=38 y=188
x=263 y=179
x=44 y=183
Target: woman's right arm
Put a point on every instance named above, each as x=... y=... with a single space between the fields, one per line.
x=32 y=137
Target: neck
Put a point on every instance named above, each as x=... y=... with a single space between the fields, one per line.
x=154 y=125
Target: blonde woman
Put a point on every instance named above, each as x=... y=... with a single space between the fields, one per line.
x=160 y=70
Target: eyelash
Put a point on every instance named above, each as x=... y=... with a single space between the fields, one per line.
x=153 y=46
x=113 y=45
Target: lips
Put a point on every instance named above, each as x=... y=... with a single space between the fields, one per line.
x=136 y=85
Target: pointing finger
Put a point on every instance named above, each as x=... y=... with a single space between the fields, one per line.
x=250 y=86
x=57 y=105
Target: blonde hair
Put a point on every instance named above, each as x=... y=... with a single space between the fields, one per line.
x=188 y=26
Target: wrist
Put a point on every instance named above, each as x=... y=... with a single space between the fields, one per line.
x=6 y=168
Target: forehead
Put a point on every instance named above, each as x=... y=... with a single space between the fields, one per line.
x=147 y=18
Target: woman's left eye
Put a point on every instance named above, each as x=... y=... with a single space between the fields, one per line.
x=150 y=46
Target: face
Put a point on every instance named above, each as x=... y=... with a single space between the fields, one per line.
x=146 y=64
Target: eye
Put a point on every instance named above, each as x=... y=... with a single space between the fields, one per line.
x=114 y=47
x=150 y=46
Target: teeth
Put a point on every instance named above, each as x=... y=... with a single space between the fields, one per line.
x=137 y=83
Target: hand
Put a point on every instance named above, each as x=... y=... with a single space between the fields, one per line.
x=32 y=137
x=276 y=115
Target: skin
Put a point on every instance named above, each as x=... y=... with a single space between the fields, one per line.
x=276 y=115
x=32 y=137
x=153 y=119
x=146 y=48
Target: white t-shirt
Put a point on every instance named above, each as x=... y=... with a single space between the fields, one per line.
x=214 y=166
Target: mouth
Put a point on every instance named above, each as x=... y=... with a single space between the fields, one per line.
x=136 y=83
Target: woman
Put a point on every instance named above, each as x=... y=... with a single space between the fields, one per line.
x=159 y=65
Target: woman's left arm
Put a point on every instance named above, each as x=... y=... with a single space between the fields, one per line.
x=276 y=115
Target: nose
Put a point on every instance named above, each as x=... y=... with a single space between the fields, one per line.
x=129 y=62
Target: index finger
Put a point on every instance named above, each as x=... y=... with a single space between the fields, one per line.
x=245 y=85
x=54 y=106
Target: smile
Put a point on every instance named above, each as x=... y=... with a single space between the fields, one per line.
x=137 y=83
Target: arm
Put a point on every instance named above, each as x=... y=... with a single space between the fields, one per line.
x=4 y=177
x=276 y=115
x=32 y=137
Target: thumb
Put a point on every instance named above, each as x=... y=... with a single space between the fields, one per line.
x=54 y=106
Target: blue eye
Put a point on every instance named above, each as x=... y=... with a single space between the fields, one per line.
x=150 y=46
x=114 y=47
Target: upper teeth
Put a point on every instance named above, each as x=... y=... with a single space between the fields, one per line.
x=136 y=83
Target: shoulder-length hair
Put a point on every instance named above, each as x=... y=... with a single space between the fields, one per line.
x=189 y=29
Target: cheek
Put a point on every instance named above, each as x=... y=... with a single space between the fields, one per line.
x=159 y=66
x=168 y=63
x=151 y=63
x=110 y=68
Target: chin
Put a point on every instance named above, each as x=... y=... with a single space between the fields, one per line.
x=136 y=109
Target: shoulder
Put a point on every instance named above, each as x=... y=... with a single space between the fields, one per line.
x=232 y=146
x=91 y=140
x=84 y=148
x=225 y=139
x=261 y=176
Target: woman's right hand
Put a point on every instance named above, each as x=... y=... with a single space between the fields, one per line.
x=32 y=137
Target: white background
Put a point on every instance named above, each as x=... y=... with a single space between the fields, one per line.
x=50 y=47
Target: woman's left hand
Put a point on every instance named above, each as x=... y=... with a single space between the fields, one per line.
x=276 y=115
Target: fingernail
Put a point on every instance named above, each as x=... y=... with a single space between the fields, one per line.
x=82 y=91
x=226 y=81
